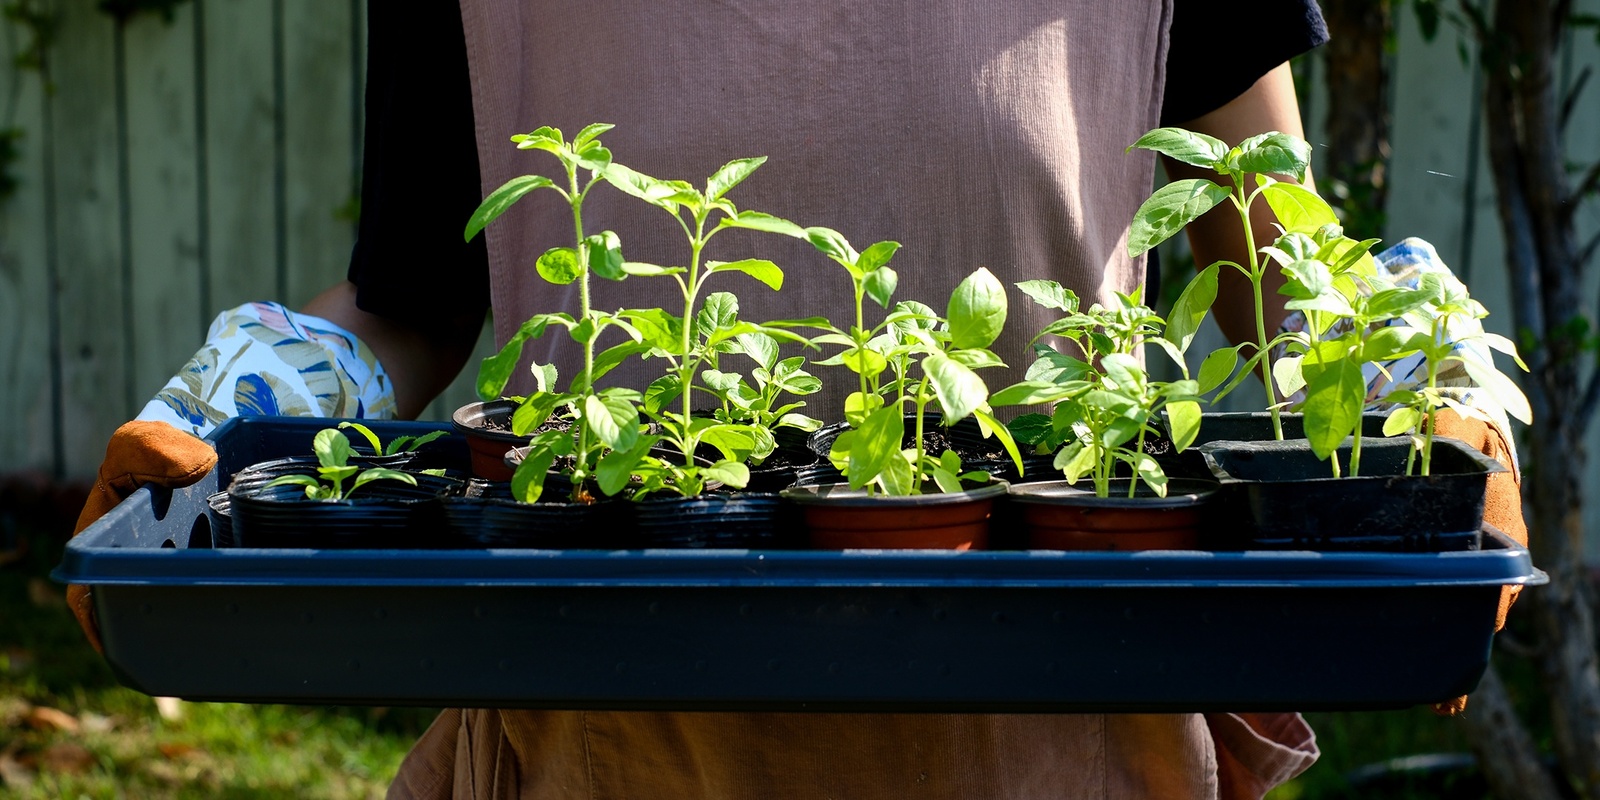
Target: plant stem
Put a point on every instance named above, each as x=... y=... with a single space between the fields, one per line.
x=922 y=405
x=1257 y=272
x=580 y=470
x=1433 y=411
x=686 y=366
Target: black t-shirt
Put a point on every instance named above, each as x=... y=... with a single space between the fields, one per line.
x=420 y=179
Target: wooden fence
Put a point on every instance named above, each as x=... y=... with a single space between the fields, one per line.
x=172 y=169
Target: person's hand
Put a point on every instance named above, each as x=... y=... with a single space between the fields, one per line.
x=140 y=453
x=1502 y=506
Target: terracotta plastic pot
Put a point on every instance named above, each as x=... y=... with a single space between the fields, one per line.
x=840 y=518
x=1059 y=516
x=487 y=428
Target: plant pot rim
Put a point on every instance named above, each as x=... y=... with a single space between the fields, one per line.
x=840 y=494
x=468 y=419
x=1181 y=493
x=1489 y=466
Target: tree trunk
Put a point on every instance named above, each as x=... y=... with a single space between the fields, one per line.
x=1542 y=256
x=1509 y=757
x=1358 y=118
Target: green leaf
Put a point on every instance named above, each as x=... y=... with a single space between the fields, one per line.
x=721 y=382
x=877 y=256
x=380 y=474
x=757 y=221
x=658 y=193
x=1500 y=388
x=614 y=420
x=588 y=134
x=1217 y=367
x=1333 y=406
x=959 y=389
x=880 y=284
x=605 y=256
x=366 y=433
x=501 y=199
x=1050 y=295
x=1075 y=461
x=559 y=265
x=977 y=358
x=545 y=138
x=1031 y=429
x=730 y=174
x=720 y=311
x=1275 y=153
x=977 y=310
x=758 y=268
x=946 y=480
x=865 y=362
x=1028 y=393
x=763 y=349
x=1298 y=209
x=735 y=442
x=1402 y=419
x=1170 y=209
x=1504 y=345
x=617 y=466
x=332 y=448
x=990 y=426
x=1391 y=303
x=1191 y=307
x=876 y=443
x=661 y=392
x=527 y=483
x=534 y=411
x=644 y=270
x=1123 y=370
x=1395 y=341
x=833 y=244
x=730 y=473
x=1189 y=147
x=1183 y=416
x=1151 y=473
x=1287 y=375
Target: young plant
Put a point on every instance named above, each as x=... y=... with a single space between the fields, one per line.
x=693 y=341
x=1171 y=208
x=762 y=405
x=397 y=445
x=1106 y=404
x=947 y=351
x=333 y=452
x=603 y=420
x=1445 y=331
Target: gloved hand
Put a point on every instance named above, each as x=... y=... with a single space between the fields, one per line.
x=258 y=358
x=139 y=453
x=1502 y=506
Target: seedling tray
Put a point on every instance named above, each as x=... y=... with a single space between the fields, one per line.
x=1161 y=631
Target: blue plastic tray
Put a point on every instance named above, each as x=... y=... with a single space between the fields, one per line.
x=728 y=629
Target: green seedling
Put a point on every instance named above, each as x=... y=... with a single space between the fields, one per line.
x=1105 y=404
x=333 y=452
x=947 y=352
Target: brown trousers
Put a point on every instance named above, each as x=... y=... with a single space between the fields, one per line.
x=499 y=755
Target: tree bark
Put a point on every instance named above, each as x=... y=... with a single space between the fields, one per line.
x=1509 y=757
x=1358 y=119
x=1528 y=164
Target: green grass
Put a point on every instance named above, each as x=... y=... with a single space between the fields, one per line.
x=125 y=749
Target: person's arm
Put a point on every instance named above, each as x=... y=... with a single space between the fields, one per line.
x=421 y=360
x=1269 y=105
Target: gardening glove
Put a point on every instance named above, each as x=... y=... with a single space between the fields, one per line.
x=259 y=358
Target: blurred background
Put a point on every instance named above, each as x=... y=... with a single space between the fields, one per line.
x=162 y=160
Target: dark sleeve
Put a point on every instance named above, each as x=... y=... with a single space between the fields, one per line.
x=1208 y=65
x=419 y=171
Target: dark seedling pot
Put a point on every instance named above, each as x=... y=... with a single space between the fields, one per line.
x=1278 y=495
x=840 y=518
x=484 y=515
x=383 y=514
x=1056 y=515
x=738 y=520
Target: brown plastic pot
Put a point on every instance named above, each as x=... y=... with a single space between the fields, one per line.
x=840 y=518
x=1057 y=515
x=487 y=428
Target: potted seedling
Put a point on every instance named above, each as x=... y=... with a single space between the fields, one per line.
x=761 y=400
x=1105 y=408
x=900 y=496
x=673 y=487
x=594 y=420
x=340 y=500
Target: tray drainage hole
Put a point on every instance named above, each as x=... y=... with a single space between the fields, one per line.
x=200 y=533
x=169 y=545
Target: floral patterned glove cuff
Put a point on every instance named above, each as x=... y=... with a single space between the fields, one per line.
x=262 y=358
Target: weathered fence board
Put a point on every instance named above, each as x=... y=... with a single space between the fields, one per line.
x=91 y=287
x=163 y=212
x=27 y=405
x=318 y=119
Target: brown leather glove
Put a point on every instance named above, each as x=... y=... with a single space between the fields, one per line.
x=1502 y=506
x=139 y=453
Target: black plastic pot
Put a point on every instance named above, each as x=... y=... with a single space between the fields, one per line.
x=739 y=520
x=220 y=514
x=384 y=514
x=485 y=515
x=782 y=468
x=1278 y=495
